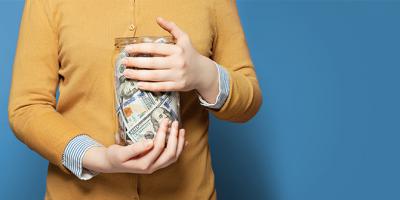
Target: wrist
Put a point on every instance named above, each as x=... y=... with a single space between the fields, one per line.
x=96 y=159
x=208 y=79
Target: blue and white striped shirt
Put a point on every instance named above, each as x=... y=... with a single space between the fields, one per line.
x=77 y=147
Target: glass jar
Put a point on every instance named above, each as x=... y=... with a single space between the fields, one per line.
x=140 y=112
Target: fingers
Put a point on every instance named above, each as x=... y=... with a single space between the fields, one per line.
x=171 y=28
x=148 y=62
x=159 y=86
x=159 y=143
x=159 y=157
x=181 y=142
x=152 y=48
x=149 y=75
x=133 y=150
x=169 y=154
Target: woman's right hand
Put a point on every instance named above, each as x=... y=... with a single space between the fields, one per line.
x=143 y=157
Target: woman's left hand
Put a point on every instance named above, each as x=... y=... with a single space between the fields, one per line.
x=179 y=68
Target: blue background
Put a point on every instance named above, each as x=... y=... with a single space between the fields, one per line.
x=329 y=125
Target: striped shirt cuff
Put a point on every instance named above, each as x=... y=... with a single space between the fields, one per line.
x=223 y=78
x=73 y=156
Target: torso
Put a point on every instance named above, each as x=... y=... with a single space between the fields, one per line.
x=86 y=31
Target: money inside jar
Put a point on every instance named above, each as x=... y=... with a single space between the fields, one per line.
x=140 y=112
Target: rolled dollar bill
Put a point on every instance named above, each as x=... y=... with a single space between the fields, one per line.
x=140 y=112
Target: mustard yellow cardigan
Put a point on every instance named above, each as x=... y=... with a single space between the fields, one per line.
x=69 y=44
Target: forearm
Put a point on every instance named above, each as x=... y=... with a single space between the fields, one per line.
x=231 y=95
x=244 y=99
x=230 y=50
x=42 y=129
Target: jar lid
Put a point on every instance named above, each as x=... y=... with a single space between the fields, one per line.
x=123 y=41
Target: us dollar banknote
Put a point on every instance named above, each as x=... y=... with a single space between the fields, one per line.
x=141 y=112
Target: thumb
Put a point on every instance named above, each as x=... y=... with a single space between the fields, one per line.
x=171 y=27
x=136 y=149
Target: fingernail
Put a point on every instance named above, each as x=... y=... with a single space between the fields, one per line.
x=125 y=61
x=126 y=74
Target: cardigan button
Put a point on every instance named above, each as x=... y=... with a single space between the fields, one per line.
x=132 y=27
